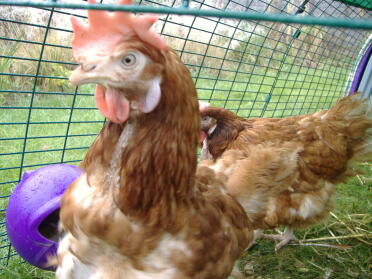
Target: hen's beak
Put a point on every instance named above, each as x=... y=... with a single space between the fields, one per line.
x=79 y=77
x=89 y=71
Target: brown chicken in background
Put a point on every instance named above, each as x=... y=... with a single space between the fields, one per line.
x=328 y=143
x=143 y=209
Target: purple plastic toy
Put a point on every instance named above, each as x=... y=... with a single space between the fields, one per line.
x=33 y=211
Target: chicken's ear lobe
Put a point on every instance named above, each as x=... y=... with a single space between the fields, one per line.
x=153 y=96
x=211 y=129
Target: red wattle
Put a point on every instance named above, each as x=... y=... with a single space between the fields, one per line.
x=112 y=104
x=202 y=136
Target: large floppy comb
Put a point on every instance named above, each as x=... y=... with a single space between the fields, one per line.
x=105 y=29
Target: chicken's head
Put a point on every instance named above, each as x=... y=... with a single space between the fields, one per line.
x=111 y=52
x=202 y=107
x=207 y=125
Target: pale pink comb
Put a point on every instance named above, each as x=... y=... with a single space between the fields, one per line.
x=104 y=30
x=203 y=105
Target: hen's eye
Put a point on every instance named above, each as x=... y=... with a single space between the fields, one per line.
x=128 y=60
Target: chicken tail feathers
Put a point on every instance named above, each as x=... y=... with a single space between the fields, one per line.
x=365 y=99
x=365 y=95
x=362 y=148
x=354 y=113
x=350 y=107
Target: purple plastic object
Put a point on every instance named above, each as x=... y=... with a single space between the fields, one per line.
x=360 y=70
x=33 y=211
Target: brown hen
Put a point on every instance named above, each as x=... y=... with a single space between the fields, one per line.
x=142 y=209
x=328 y=143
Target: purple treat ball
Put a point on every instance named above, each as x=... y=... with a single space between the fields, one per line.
x=33 y=211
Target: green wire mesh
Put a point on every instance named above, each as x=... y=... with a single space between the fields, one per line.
x=253 y=67
x=366 y=4
x=182 y=10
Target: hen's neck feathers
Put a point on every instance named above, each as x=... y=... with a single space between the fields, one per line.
x=159 y=162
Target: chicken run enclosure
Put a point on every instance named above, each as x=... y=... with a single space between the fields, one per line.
x=259 y=58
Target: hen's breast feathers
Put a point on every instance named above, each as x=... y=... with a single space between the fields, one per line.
x=209 y=228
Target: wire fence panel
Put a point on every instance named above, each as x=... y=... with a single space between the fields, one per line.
x=239 y=60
